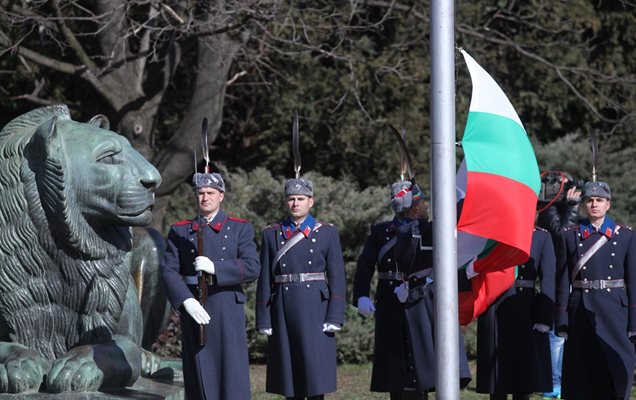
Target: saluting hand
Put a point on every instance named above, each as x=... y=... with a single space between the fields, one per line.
x=202 y=263
x=196 y=311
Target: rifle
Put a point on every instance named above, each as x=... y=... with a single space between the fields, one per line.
x=202 y=276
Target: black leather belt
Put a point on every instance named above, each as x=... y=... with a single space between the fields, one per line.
x=302 y=277
x=599 y=284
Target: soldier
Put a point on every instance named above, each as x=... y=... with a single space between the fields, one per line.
x=597 y=259
x=388 y=373
x=300 y=298
x=219 y=369
x=513 y=346
x=414 y=254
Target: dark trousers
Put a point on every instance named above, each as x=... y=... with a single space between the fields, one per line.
x=515 y=396
x=409 y=395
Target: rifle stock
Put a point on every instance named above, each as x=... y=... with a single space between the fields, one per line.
x=203 y=284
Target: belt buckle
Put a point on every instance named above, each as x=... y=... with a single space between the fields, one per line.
x=294 y=278
x=603 y=284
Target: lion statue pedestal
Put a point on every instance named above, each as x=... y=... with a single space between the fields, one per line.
x=70 y=319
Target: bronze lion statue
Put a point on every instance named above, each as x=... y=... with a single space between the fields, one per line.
x=70 y=318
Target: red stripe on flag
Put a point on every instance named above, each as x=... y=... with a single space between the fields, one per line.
x=500 y=209
x=485 y=290
x=501 y=257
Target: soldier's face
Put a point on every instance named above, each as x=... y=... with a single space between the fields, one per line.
x=299 y=206
x=422 y=212
x=209 y=200
x=596 y=207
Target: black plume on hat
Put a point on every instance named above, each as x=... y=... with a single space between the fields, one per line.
x=297 y=185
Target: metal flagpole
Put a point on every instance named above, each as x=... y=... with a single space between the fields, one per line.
x=445 y=219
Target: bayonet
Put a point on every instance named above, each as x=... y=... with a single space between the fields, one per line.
x=296 y=144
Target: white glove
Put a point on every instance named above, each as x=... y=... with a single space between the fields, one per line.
x=402 y=292
x=202 y=263
x=365 y=306
x=543 y=328
x=196 y=311
x=329 y=327
x=266 y=331
x=470 y=269
x=564 y=335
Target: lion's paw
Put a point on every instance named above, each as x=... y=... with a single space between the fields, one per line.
x=76 y=371
x=149 y=363
x=21 y=369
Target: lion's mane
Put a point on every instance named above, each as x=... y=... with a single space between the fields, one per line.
x=63 y=282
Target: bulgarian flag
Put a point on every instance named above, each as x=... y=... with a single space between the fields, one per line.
x=498 y=183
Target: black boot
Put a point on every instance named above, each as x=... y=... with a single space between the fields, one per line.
x=395 y=395
x=414 y=395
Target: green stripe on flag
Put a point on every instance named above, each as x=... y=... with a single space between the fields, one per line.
x=498 y=145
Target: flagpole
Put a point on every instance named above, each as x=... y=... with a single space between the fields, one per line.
x=443 y=184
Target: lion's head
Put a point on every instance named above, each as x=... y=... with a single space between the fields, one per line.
x=69 y=191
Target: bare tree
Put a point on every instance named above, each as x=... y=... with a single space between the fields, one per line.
x=128 y=52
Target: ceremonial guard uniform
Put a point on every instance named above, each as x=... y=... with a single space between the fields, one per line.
x=513 y=346
x=300 y=299
x=220 y=368
x=598 y=316
x=414 y=249
x=414 y=253
x=388 y=356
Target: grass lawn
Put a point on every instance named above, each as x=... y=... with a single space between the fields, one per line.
x=353 y=384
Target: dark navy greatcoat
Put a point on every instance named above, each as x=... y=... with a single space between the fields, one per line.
x=388 y=357
x=220 y=369
x=598 y=358
x=414 y=255
x=512 y=357
x=301 y=358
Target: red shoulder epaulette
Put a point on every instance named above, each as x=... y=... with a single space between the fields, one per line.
x=184 y=222
x=572 y=228
x=237 y=219
x=625 y=226
x=272 y=226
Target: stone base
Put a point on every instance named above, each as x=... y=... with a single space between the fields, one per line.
x=166 y=384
